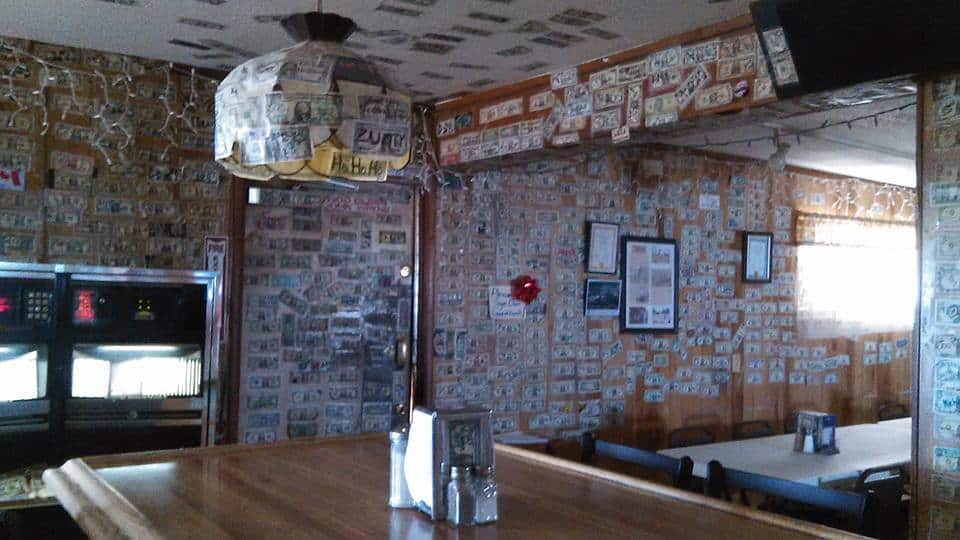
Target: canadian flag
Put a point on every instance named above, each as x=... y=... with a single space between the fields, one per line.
x=11 y=177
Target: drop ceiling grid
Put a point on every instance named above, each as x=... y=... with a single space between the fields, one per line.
x=393 y=30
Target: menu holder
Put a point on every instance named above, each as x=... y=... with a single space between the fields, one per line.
x=816 y=433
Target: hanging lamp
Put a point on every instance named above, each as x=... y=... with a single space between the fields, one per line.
x=313 y=111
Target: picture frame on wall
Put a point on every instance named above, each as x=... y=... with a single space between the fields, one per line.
x=757 y=257
x=650 y=272
x=602 y=243
x=602 y=298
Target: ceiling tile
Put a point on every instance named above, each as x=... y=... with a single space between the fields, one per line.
x=457 y=39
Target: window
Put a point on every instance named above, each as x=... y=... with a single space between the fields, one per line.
x=855 y=276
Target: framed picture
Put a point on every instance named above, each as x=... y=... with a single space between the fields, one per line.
x=465 y=436
x=602 y=298
x=757 y=257
x=650 y=275
x=602 y=243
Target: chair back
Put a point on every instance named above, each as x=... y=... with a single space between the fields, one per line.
x=752 y=430
x=690 y=436
x=680 y=470
x=790 y=423
x=885 y=482
x=892 y=411
x=860 y=507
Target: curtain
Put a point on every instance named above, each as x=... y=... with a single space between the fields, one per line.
x=855 y=276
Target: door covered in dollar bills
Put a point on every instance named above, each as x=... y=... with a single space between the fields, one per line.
x=326 y=305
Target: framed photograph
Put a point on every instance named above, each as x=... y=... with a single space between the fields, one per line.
x=757 y=257
x=463 y=434
x=602 y=242
x=602 y=298
x=650 y=275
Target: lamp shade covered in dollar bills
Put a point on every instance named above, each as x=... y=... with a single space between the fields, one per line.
x=311 y=112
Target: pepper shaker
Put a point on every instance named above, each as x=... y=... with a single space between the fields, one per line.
x=485 y=491
x=460 y=500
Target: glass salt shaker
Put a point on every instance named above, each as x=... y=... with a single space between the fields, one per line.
x=485 y=491
x=460 y=500
x=399 y=492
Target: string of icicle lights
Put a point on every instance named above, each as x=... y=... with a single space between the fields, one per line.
x=110 y=115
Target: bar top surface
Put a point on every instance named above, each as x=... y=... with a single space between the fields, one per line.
x=337 y=488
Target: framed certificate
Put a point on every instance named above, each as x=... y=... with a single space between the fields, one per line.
x=602 y=242
x=650 y=274
x=757 y=257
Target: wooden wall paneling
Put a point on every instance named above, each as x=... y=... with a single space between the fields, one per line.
x=428 y=225
x=233 y=304
x=647 y=424
x=864 y=397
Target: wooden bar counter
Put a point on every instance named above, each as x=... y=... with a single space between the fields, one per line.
x=337 y=488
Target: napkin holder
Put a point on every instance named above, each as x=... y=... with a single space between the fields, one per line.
x=439 y=440
x=816 y=433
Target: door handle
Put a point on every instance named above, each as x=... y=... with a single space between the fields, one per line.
x=401 y=353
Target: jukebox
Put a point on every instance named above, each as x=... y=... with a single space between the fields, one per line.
x=104 y=360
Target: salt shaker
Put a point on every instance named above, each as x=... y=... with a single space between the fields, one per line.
x=808 y=445
x=460 y=499
x=485 y=491
x=399 y=492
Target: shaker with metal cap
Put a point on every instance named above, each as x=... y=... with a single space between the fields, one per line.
x=460 y=500
x=485 y=491
x=399 y=492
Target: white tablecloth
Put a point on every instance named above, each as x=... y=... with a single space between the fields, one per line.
x=862 y=447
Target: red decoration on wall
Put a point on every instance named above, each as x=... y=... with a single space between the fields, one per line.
x=524 y=289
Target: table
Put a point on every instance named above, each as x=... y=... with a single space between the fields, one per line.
x=337 y=489
x=862 y=446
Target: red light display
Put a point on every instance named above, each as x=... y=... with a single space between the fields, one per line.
x=5 y=305
x=84 y=310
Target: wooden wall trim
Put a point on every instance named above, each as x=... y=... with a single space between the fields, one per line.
x=428 y=225
x=915 y=378
x=520 y=87
x=737 y=107
x=233 y=304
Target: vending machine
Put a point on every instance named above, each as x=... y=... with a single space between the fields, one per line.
x=104 y=360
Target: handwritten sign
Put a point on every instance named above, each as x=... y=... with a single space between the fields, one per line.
x=503 y=305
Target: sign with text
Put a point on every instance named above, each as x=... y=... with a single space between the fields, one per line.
x=503 y=305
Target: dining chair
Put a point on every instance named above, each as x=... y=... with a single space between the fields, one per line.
x=887 y=483
x=892 y=411
x=753 y=429
x=690 y=436
x=790 y=420
x=680 y=470
x=858 y=510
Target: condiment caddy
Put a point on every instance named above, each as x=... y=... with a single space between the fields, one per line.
x=443 y=465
